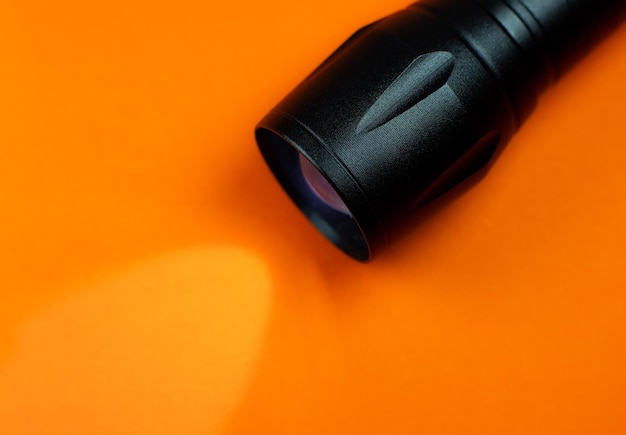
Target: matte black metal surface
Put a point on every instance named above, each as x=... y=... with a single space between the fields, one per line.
x=416 y=102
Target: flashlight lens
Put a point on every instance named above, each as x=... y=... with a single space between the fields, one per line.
x=313 y=194
x=320 y=186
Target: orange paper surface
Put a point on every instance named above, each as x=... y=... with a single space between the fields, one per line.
x=154 y=279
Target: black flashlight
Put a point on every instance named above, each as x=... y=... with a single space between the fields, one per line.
x=413 y=104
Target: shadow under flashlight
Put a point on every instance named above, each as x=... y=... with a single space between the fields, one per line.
x=413 y=104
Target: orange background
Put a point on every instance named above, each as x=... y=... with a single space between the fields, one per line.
x=154 y=279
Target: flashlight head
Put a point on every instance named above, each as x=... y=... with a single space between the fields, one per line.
x=404 y=110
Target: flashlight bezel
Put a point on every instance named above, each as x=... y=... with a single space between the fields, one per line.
x=282 y=155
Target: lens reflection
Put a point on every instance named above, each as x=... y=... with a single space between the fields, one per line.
x=313 y=194
x=320 y=186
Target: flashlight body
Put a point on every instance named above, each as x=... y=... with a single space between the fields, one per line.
x=414 y=103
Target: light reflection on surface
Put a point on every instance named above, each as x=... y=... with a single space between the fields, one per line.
x=166 y=346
